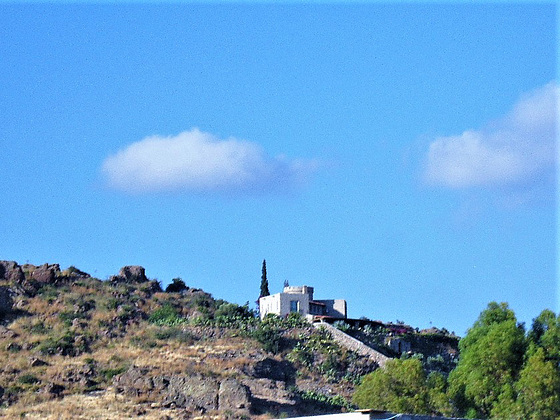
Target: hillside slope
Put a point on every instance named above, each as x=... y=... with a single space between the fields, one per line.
x=74 y=346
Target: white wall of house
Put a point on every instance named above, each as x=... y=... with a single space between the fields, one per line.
x=298 y=299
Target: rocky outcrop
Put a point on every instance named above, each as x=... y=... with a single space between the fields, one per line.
x=233 y=395
x=272 y=369
x=43 y=274
x=6 y=301
x=11 y=271
x=130 y=274
x=193 y=392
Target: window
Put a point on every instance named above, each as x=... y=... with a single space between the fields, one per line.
x=294 y=306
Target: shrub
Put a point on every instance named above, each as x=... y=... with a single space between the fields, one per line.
x=177 y=286
x=166 y=315
x=342 y=326
x=325 y=402
x=108 y=373
x=231 y=315
x=67 y=317
x=28 y=379
x=173 y=333
x=302 y=355
x=65 y=345
x=296 y=320
x=269 y=337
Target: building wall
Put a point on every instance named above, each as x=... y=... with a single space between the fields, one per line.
x=269 y=305
x=335 y=307
x=281 y=303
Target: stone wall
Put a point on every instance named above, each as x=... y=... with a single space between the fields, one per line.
x=352 y=344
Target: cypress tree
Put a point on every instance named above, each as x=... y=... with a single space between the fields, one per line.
x=264 y=281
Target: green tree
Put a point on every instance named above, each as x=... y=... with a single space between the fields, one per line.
x=438 y=401
x=491 y=359
x=264 y=281
x=399 y=387
x=545 y=333
x=538 y=388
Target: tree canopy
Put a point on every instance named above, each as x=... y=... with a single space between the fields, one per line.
x=503 y=373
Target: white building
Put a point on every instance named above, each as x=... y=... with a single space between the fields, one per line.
x=373 y=415
x=300 y=299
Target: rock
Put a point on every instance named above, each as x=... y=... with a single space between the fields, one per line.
x=273 y=369
x=134 y=382
x=34 y=362
x=233 y=395
x=13 y=347
x=46 y=273
x=7 y=333
x=83 y=375
x=267 y=389
x=11 y=271
x=54 y=390
x=77 y=323
x=133 y=274
x=6 y=301
x=194 y=392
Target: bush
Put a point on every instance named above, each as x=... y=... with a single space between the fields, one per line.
x=177 y=286
x=65 y=345
x=28 y=379
x=325 y=402
x=173 y=333
x=302 y=355
x=269 y=337
x=108 y=373
x=166 y=315
x=233 y=316
x=342 y=326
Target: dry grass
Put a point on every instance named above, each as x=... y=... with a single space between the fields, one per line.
x=106 y=405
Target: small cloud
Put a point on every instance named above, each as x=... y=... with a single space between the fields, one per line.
x=196 y=161
x=513 y=150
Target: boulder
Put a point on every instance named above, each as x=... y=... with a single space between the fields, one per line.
x=46 y=273
x=134 y=382
x=11 y=271
x=7 y=333
x=54 y=390
x=34 y=362
x=133 y=274
x=6 y=301
x=192 y=392
x=130 y=274
x=233 y=395
x=273 y=369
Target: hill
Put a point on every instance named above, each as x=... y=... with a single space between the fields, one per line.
x=78 y=347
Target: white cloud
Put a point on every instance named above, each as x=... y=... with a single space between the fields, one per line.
x=196 y=161
x=516 y=148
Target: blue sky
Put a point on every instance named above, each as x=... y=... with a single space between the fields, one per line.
x=400 y=156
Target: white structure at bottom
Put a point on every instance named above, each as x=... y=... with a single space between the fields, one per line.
x=300 y=299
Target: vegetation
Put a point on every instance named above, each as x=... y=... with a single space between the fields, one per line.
x=264 y=281
x=177 y=285
x=503 y=373
x=78 y=334
x=403 y=387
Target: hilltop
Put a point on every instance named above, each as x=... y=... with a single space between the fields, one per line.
x=76 y=346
